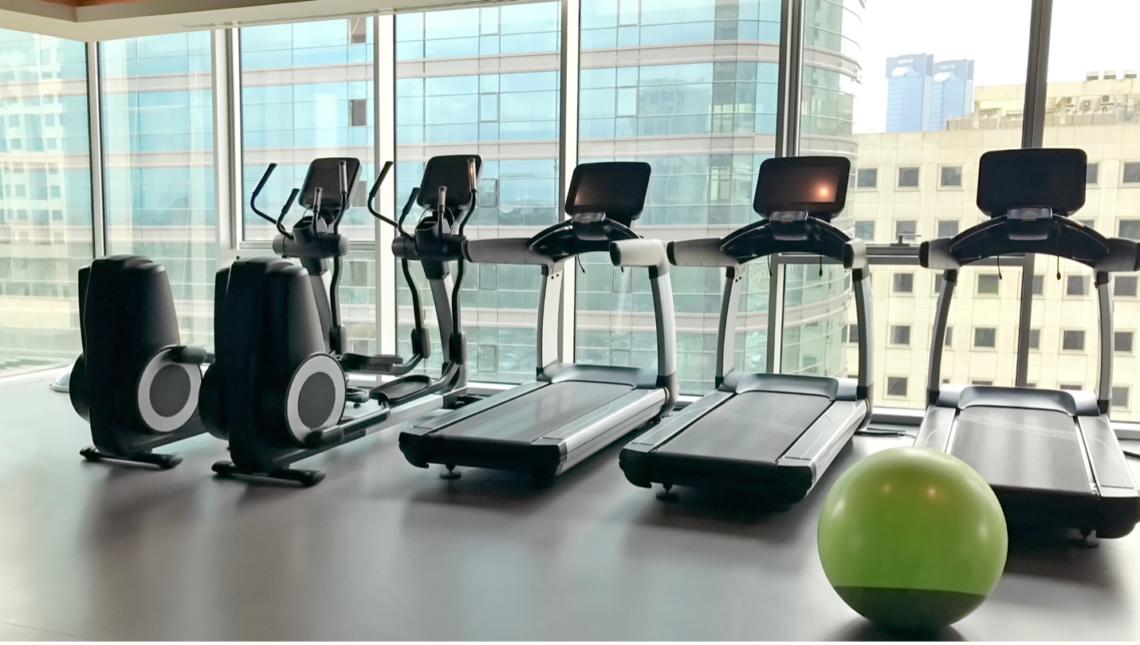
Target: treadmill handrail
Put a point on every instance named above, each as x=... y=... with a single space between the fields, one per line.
x=507 y=250
x=1058 y=236
x=651 y=255
x=765 y=238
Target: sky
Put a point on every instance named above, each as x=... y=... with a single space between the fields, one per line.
x=1087 y=35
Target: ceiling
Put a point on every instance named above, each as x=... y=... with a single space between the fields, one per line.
x=93 y=20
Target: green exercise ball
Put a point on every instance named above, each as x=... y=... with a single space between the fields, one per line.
x=912 y=538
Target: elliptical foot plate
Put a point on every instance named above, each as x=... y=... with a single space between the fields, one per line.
x=306 y=478
x=162 y=461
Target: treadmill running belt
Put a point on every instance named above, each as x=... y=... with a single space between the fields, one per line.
x=1022 y=448
x=537 y=414
x=752 y=426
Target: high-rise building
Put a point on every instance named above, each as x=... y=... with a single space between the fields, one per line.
x=909 y=81
x=923 y=94
x=952 y=91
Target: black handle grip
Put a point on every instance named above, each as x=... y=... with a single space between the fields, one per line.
x=264 y=178
x=289 y=202
x=379 y=180
x=343 y=177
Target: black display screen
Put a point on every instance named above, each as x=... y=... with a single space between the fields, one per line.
x=616 y=188
x=1051 y=177
x=811 y=184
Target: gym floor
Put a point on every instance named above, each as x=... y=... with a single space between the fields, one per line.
x=382 y=550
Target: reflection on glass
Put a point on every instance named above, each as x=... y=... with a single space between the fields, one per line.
x=45 y=198
x=511 y=120
x=705 y=125
x=159 y=165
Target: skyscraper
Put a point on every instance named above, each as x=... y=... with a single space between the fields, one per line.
x=952 y=93
x=922 y=94
x=909 y=80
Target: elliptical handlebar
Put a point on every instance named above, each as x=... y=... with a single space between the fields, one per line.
x=288 y=203
x=372 y=198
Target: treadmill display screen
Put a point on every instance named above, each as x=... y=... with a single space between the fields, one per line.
x=1042 y=177
x=812 y=184
x=616 y=188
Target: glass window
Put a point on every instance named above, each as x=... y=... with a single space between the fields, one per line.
x=988 y=284
x=1129 y=229
x=867 y=178
x=357 y=112
x=903 y=283
x=900 y=334
x=306 y=92
x=1038 y=286
x=673 y=112
x=951 y=176
x=1120 y=396
x=947 y=227
x=1076 y=285
x=931 y=100
x=1070 y=387
x=1124 y=285
x=1131 y=173
x=511 y=119
x=896 y=385
x=159 y=192
x=1073 y=340
x=1122 y=342
x=852 y=333
x=1034 y=339
x=1091 y=172
x=985 y=337
x=949 y=340
x=44 y=168
x=908 y=177
x=865 y=230
x=979 y=382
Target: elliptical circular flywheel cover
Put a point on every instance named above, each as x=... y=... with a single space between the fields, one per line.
x=167 y=392
x=315 y=397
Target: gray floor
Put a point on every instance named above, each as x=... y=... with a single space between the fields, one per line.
x=382 y=550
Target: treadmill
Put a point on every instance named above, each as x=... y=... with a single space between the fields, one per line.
x=1051 y=456
x=569 y=411
x=773 y=434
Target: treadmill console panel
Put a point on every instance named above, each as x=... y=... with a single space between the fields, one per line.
x=812 y=185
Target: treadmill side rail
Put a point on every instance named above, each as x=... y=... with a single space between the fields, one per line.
x=1110 y=470
x=935 y=429
x=589 y=434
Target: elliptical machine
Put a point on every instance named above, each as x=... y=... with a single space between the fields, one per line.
x=135 y=382
x=277 y=389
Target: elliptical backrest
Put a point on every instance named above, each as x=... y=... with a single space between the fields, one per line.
x=325 y=174
x=815 y=185
x=452 y=171
x=616 y=188
x=1052 y=178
